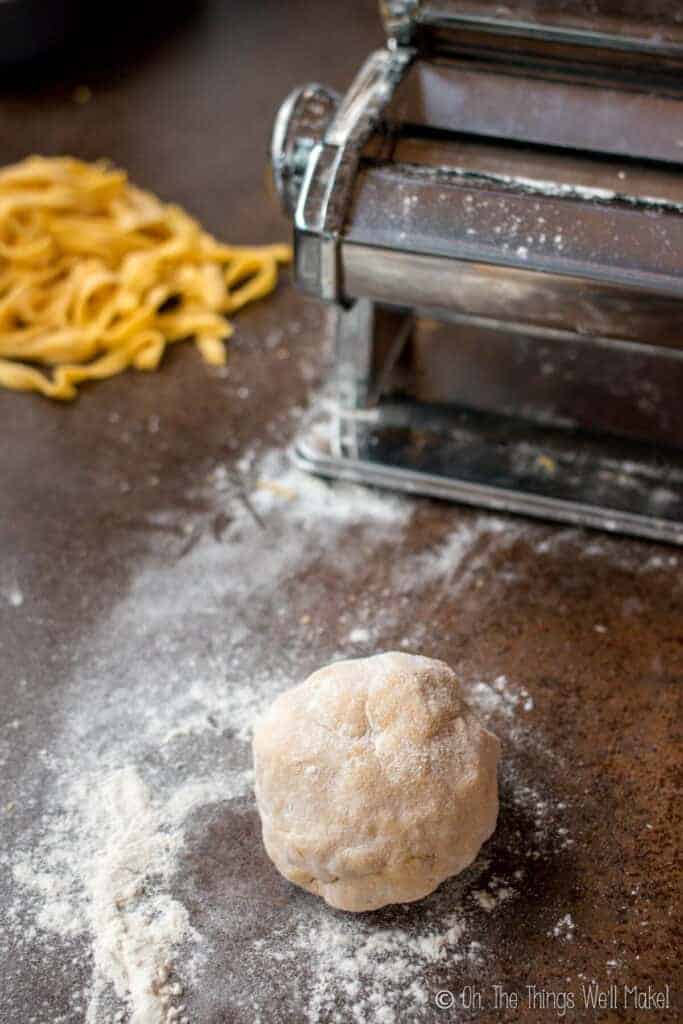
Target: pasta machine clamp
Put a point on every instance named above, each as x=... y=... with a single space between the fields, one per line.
x=495 y=211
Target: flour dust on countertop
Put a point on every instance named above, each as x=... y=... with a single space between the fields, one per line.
x=143 y=878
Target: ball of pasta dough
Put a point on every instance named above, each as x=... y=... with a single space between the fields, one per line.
x=375 y=781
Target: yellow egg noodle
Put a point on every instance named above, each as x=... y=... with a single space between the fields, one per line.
x=97 y=275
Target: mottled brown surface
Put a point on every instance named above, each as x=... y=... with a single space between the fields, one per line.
x=189 y=116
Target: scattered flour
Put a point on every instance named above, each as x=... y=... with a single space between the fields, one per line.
x=564 y=929
x=14 y=597
x=276 y=483
x=464 y=551
x=104 y=867
x=359 y=970
x=616 y=554
x=379 y=971
x=498 y=892
x=100 y=861
x=484 y=899
x=144 y=725
x=499 y=696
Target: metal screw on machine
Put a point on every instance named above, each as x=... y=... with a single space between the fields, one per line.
x=399 y=20
x=300 y=125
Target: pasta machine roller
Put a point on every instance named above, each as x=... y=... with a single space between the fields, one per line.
x=495 y=209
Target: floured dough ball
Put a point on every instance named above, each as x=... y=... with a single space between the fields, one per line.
x=375 y=781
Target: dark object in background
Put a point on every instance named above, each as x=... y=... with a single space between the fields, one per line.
x=45 y=36
x=31 y=28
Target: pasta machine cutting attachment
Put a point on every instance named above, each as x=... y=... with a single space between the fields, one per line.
x=495 y=209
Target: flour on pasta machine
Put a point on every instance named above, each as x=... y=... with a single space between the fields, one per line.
x=496 y=210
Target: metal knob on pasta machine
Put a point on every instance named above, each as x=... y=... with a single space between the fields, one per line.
x=299 y=126
x=495 y=208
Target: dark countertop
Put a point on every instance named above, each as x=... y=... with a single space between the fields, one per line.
x=147 y=578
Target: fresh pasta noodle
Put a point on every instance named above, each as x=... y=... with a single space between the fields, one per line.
x=97 y=275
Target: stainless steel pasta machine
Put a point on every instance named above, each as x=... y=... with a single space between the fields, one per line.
x=495 y=207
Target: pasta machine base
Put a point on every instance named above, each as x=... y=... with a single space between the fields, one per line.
x=550 y=424
x=504 y=464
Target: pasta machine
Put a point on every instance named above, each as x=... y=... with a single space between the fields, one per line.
x=495 y=208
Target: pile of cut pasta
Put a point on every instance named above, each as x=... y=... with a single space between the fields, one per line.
x=97 y=275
